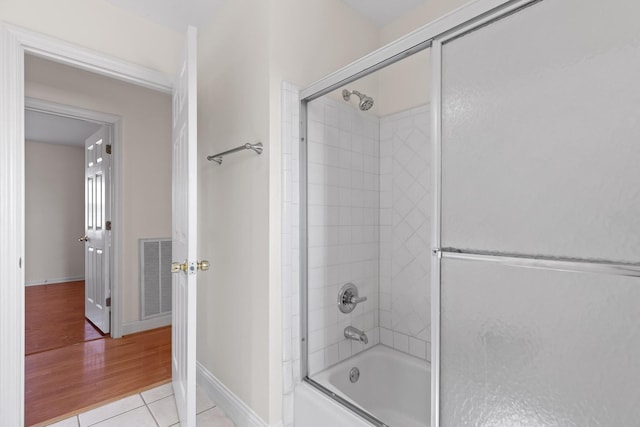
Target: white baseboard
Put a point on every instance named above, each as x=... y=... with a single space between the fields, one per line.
x=146 y=324
x=238 y=411
x=41 y=282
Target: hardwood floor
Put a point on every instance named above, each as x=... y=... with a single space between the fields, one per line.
x=54 y=317
x=64 y=380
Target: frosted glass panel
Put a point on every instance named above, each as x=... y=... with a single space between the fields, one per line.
x=541 y=131
x=529 y=347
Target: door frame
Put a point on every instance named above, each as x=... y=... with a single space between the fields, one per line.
x=15 y=42
x=114 y=239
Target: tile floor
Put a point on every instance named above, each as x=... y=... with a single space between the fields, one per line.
x=153 y=408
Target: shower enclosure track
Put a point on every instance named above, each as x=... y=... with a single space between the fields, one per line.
x=529 y=261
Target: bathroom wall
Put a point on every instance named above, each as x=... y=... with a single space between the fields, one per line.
x=234 y=310
x=245 y=53
x=343 y=223
x=427 y=11
x=405 y=231
x=406 y=84
x=293 y=46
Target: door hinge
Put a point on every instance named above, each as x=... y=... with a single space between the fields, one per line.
x=108 y=148
x=108 y=303
x=107 y=225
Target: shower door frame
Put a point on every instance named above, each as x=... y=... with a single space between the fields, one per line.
x=548 y=263
x=432 y=35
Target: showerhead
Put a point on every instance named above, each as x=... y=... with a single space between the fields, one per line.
x=366 y=102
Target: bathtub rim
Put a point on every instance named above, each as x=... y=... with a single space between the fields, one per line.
x=336 y=394
x=344 y=402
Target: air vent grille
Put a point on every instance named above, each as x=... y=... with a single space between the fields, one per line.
x=155 y=277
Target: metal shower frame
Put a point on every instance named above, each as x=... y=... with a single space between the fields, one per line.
x=432 y=35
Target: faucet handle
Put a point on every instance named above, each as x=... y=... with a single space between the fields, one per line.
x=356 y=299
x=348 y=298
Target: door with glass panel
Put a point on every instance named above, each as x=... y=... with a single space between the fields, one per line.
x=540 y=218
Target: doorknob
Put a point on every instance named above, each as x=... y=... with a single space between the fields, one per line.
x=177 y=267
x=83 y=239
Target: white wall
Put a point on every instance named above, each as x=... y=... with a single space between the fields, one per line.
x=146 y=153
x=98 y=25
x=309 y=40
x=54 y=212
x=245 y=53
x=405 y=84
x=426 y=12
x=234 y=316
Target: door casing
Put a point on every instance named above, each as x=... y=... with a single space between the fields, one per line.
x=115 y=123
x=15 y=42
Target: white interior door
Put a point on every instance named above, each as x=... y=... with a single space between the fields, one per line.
x=184 y=229
x=96 y=264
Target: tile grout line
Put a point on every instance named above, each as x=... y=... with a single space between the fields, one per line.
x=145 y=404
x=149 y=409
x=157 y=400
x=208 y=409
x=117 y=415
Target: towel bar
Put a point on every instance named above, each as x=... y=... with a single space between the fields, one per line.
x=257 y=147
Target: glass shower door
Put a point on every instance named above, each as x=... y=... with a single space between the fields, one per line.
x=540 y=223
x=537 y=347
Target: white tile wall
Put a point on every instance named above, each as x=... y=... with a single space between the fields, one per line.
x=405 y=231
x=343 y=207
x=369 y=222
x=290 y=250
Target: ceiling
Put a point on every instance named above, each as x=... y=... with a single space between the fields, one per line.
x=50 y=128
x=177 y=14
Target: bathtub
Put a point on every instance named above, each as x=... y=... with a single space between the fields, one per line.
x=393 y=386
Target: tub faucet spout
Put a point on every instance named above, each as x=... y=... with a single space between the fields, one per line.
x=355 y=334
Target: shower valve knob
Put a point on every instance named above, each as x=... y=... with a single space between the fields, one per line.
x=348 y=298
x=356 y=300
